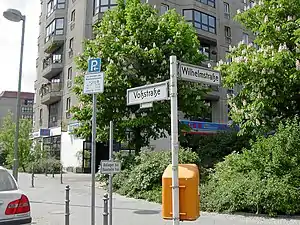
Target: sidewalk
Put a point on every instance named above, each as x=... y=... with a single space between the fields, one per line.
x=48 y=195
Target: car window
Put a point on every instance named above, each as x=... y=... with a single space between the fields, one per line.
x=6 y=181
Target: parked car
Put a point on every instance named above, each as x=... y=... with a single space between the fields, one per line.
x=14 y=204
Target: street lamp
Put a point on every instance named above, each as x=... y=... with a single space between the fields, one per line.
x=16 y=16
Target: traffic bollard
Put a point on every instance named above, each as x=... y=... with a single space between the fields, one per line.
x=61 y=174
x=32 y=177
x=105 y=209
x=67 y=206
x=53 y=172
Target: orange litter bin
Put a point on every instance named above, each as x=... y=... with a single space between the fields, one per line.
x=189 y=197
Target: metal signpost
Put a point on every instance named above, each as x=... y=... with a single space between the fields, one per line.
x=146 y=95
x=93 y=84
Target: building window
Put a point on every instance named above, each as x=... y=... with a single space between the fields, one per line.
x=227 y=34
x=71 y=42
x=53 y=114
x=226 y=10
x=41 y=117
x=205 y=50
x=211 y=3
x=56 y=27
x=163 y=8
x=68 y=107
x=73 y=16
x=245 y=38
x=101 y=6
x=70 y=71
x=201 y=20
x=55 y=4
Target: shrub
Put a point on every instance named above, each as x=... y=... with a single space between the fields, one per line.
x=143 y=180
x=264 y=179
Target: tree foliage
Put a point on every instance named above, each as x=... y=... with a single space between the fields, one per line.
x=7 y=133
x=135 y=44
x=266 y=70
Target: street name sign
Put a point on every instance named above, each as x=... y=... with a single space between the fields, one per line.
x=110 y=167
x=199 y=74
x=93 y=83
x=148 y=93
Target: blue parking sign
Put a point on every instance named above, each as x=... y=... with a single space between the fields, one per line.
x=94 y=65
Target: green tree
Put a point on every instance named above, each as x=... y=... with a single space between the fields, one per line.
x=135 y=44
x=266 y=70
x=7 y=133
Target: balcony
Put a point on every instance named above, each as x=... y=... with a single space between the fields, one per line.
x=51 y=93
x=53 y=42
x=52 y=66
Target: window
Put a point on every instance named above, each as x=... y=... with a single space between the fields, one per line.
x=41 y=117
x=227 y=31
x=68 y=107
x=205 y=50
x=245 y=38
x=53 y=114
x=55 y=4
x=226 y=10
x=6 y=181
x=211 y=3
x=56 y=27
x=71 y=42
x=68 y=104
x=164 y=8
x=101 y=6
x=70 y=71
x=73 y=15
x=227 y=35
x=201 y=20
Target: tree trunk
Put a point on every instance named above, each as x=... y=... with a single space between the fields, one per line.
x=138 y=140
x=24 y=169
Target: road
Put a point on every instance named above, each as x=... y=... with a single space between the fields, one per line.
x=47 y=203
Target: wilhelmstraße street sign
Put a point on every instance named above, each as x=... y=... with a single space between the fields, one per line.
x=148 y=93
x=93 y=83
x=199 y=74
x=110 y=167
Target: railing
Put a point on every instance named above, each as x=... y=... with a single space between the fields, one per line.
x=49 y=88
x=54 y=59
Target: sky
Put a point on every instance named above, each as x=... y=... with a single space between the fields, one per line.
x=10 y=43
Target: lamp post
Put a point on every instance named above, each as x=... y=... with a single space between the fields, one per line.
x=16 y=16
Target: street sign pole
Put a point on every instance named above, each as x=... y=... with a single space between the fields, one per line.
x=93 y=84
x=111 y=138
x=174 y=139
x=93 y=195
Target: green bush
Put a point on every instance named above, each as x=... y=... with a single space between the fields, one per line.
x=264 y=179
x=143 y=179
x=50 y=164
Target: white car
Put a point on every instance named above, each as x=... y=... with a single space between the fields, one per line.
x=14 y=204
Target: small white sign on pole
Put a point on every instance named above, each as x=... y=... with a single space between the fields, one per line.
x=146 y=105
x=110 y=167
x=199 y=74
x=148 y=93
x=93 y=83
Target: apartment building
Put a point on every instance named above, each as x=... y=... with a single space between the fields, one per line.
x=8 y=104
x=64 y=24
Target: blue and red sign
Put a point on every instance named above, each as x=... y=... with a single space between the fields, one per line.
x=205 y=128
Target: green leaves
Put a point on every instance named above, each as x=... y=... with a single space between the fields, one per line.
x=266 y=74
x=135 y=44
x=264 y=179
x=7 y=133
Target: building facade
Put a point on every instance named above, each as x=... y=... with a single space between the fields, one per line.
x=64 y=24
x=8 y=104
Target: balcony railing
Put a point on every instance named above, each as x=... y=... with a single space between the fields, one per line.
x=50 y=93
x=54 y=59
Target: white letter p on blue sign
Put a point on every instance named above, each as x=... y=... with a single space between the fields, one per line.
x=94 y=65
